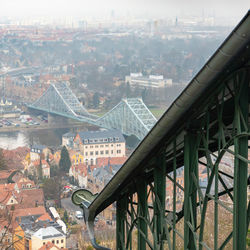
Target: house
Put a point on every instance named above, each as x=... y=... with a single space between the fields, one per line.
x=99 y=144
x=67 y=139
x=76 y=157
x=50 y=246
x=5 y=233
x=34 y=168
x=34 y=234
x=37 y=151
x=5 y=176
x=79 y=174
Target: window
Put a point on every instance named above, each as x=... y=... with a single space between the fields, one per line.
x=86 y=154
x=116 y=138
x=101 y=146
x=105 y=140
x=86 y=146
x=91 y=146
x=96 y=146
x=57 y=242
x=110 y=139
x=91 y=153
x=118 y=151
x=112 y=151
x=61 y=241
x=111 y=145
x=101 y=152
x=106 y=152
x=85 y=141
x=96 y=152
x=91 y=140
x=106 y=145
x=53 y=241
x=43 y=243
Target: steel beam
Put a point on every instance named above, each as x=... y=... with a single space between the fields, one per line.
x=159 y=202
x=142 y=213
x=121 y=209
x=240 y=166
x=190 y=194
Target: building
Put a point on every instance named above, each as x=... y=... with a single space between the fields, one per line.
x=153 y=81
x=99 y=144
x=33 y=234
x=67 y=139
x=37 y=150
x=33 y=168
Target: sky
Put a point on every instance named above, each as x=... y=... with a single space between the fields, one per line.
x=99 y=8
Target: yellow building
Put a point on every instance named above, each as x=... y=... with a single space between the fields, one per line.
x=76 y=158
x=45 y=235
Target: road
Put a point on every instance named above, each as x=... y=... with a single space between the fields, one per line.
x=71 y=209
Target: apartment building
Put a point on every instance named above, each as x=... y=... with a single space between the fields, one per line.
x=99 y=144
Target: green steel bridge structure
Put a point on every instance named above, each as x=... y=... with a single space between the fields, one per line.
x=205 y=135
x=131 y=116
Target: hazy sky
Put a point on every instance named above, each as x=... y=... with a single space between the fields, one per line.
x=82 y=8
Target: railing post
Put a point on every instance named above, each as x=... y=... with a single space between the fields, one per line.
x=121 y=207
x=142 y=213
x=159 y=203
x=190 y=194
x=241 y=167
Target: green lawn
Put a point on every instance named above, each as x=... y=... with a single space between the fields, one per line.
x=157 y=112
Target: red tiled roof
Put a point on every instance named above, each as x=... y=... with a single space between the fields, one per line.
x=29 y=198
x=44 y=217
x=110 y=161
x=29 y=211
x=4 y=174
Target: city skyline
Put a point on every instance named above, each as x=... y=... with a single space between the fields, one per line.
x=112 y=8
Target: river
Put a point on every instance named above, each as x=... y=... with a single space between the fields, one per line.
x=48 y=137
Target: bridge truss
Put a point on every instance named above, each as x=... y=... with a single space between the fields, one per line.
x=186 y=185
x=131 y=116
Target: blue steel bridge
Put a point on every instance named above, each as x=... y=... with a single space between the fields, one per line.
x=130 y=116
x=207 y=126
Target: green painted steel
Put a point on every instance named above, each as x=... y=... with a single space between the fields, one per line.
x=131 y=116
x=202 y=139
x=142 y=213
x=190 y=195
x=159 y=202
x=121 y=208
x=241 y=167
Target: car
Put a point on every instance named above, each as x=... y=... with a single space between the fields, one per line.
x=79 y=214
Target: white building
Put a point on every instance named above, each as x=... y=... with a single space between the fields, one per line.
x=99 y=144
x=153 y=81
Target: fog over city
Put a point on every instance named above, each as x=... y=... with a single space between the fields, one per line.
x=97 y=8
x=126 y=116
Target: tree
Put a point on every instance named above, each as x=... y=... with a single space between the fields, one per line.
x=64 y=163
x=96 y=100
x=65 y=217
x=40 y=170
x=2 y=161
x=52 y=188
x=128 y=90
